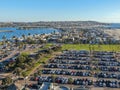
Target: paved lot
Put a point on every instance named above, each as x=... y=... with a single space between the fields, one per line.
x=107 y=58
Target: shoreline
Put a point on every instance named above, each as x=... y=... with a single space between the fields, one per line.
x=5 y=31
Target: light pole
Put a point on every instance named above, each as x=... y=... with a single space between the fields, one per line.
x=25 y=80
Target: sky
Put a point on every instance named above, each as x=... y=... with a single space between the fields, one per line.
x=59 y=10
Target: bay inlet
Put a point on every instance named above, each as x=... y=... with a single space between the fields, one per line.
x=9 y=32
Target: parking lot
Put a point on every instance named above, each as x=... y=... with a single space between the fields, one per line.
x=89 y=69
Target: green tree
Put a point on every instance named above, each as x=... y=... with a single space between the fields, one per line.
x=21 y=59
x=24 y=74
x=7 y=81
x=70 y=80
x=18 y=71
x=35 y=75
x=39 y=72
x=37 y=56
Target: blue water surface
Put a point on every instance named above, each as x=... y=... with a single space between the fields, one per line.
x=19 y=33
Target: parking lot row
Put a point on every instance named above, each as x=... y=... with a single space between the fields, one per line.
x=79 y=81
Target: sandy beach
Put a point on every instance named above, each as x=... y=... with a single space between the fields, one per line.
x=114 y=33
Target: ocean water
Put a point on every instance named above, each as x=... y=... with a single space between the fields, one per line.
x=114 y=25
x=19 y=33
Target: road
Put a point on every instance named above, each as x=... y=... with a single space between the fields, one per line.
x=10 y=56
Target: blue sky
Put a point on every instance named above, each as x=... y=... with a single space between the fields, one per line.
x=60 y=10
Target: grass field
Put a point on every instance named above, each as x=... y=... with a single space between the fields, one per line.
x=0 y=43
x=93 y=47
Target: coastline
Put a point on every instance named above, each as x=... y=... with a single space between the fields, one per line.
x=5 y=31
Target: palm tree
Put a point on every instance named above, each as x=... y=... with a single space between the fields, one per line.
x=7 y=42
x=4 y=39
x=23 y=36
x=70 y=81
x=13 y=37
x=21 y=45
x=35 y=75
x=16 y=41
x=29 y=34
x=53 y=79
x=24 y=74
x=90 y=48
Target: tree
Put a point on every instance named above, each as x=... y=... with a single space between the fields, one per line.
x=23 y=36
x=70 y=80
x=21 y=59
x=16 y=41
x=53 y=78
x=39 y=72
x=4 y=39
x=26 y=66
x=24 y=74
x=18 y=71
x=37 y=56
x=7 y=81
x=35 y=75
x=29 y=34
x=21 y=44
